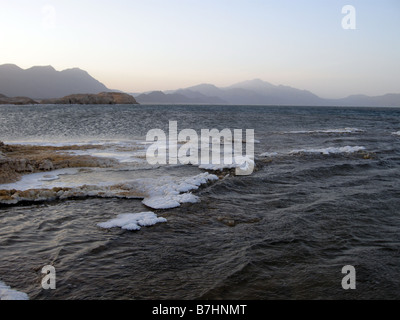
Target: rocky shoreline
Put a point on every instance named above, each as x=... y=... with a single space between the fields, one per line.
x=100 y=98
x=17 y=160
x=16 y=100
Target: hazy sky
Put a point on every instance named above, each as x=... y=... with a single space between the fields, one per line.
x=141 y=45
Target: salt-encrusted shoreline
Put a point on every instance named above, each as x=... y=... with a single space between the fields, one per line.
x=17 y=160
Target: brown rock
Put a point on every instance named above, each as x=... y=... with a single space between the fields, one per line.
x=46 y=165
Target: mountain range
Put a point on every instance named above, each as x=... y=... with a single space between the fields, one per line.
x=259 y=92
x=44 y=82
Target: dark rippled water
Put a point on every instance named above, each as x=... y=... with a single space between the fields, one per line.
x=284 y=232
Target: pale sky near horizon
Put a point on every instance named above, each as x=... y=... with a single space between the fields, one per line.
x=143 y=45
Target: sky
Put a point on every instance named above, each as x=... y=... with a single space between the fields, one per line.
x=145 y=45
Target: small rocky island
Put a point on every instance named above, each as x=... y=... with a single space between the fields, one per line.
x=16 y=100
x=100 y=98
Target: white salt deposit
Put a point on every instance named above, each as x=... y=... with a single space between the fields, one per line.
x=110 y=153
x=6 y=293
x=169 y=201
x=122 y=151
x=166 y=193
x=41 y=180
x=132 y=221
x=49 y=177
x=157 y=193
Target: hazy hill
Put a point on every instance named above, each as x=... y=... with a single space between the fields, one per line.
x=387 y=100
x=249 y=92
x=45 y=82
x=188 y=97
x=258 y=92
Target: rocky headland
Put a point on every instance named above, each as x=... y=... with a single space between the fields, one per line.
x=16 y=100
x=100 y=98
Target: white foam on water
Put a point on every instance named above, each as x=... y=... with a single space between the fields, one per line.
x=232 y=139
x=6 y=293
x=132 y=221
x=325 y=151
x=330 y=150
x=340 y=130
x=396 y=133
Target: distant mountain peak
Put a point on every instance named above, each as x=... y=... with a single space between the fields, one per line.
x=256 y=81
x=77 y=70
x=203 y=86
x=42 y=68
x=10 y=66
x=45 y=82
x=255 y=84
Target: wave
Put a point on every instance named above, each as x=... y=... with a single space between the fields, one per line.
x=269 y=154
x=396 y=133
x=324 y=151
x=330 y=150
x=238 y=162
x=340 y=130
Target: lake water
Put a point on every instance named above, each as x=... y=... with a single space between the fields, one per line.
x=324 y=194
